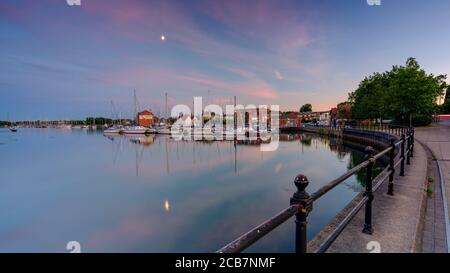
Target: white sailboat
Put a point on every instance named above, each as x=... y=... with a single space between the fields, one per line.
x=203 y=133
x=137 y=130
x=163 y=128
x=93 y=126
x=115 y=128
x=11 y=127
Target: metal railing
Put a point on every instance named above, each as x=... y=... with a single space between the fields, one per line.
x=301 y=203
x=387 y=128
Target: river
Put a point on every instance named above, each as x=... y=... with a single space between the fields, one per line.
x=155 y=194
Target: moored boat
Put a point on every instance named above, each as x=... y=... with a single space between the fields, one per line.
x=138 y=130
x=163 y=130
x=205 y=133
x=113 y=130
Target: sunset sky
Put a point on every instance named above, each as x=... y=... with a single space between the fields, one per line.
x=59 y=61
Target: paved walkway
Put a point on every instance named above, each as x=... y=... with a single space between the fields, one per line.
x=437 y=139
x=397 y=220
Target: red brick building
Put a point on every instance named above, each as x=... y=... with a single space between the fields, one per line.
x=146 y=118
x=292 y=119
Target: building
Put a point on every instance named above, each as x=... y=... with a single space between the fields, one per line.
x=340 y=115
x=146 y=118
x=290 y=119
x=324 y=118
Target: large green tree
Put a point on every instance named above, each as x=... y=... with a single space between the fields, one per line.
x=367 y=100
x=406 y=94
x=412 y=93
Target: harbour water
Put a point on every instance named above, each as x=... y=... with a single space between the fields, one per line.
x=155 y=194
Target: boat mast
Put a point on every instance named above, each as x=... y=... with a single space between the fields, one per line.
x=115 y=115
x=165 y=109
x=135 y=106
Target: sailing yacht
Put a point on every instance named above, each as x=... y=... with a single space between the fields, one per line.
x=11 y=128
x=163 y=128
x=137 y=130
x=92 y=126
x=113 y=130
x=203 y=133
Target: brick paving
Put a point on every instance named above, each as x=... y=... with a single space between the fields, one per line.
x=437 y=140
x=433 y=238
x=397 y=220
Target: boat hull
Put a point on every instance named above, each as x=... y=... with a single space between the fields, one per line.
x=112 y=131
x=136 y=132
x=163 y=131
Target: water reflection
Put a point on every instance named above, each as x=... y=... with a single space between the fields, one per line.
x=166 y=205
x=117 y=193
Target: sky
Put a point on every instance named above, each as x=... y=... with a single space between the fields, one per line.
x=68 y=62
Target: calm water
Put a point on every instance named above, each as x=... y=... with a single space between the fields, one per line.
x=159 y=195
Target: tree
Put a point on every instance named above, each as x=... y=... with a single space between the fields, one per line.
x=367 y=100
x=5 y=123
x=89 y=121
x=306 y=108
x=445 y=108
x=406 y=94
x=344 y=110
x=412 y=93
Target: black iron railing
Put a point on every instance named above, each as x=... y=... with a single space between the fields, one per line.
x=301 y=203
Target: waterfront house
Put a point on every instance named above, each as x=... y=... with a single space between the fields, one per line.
x=146 y=118
x=324 y=118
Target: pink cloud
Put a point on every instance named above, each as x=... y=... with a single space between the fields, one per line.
x=272 y=24
x=278 y=28
x=267 y=17
x=240 y=72
x=278 y=75
x=141 y=75
x=253 y=88
x=282 y=33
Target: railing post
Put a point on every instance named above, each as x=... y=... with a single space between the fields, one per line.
x=302 y=198
x=412 y=141
x=408 y=161
x=402 y=164
x=391 y=168
x=369 y=193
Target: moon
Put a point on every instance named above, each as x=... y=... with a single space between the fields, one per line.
x=163 y=38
